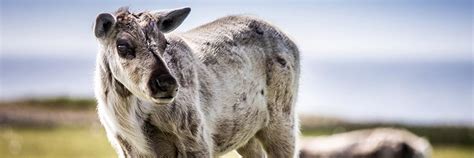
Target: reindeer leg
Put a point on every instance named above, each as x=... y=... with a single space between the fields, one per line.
x=252 y=149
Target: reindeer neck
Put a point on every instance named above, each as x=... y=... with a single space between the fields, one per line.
x=121 y=112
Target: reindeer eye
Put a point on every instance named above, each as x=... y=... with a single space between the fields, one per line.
x=125 y=50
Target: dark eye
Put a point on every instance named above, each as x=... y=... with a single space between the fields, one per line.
x=125 y=49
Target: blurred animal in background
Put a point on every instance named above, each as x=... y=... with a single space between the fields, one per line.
x=229 y=84
x=369 y=143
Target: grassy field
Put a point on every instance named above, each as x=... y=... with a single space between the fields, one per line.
x=453 y=151
x=91 y=142
x=65 y=127
x=57 y=143
x=54 y=142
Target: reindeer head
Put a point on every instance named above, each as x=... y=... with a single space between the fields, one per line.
x=132 y=46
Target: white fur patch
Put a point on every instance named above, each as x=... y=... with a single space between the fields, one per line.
x=120 y=118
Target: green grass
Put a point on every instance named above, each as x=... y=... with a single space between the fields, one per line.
x=54 y=143
x=56 y=103
x=91 y=142
x=57 y=143
x=453 y=151
x=73 y=141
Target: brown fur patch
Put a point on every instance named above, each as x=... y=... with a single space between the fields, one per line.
x=126 y=148
x=120 y=89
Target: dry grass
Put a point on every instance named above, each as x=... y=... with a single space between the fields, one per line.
x=62 y=128
x=54 y=143
x=57 y=143
x=91 y=142
x=453 y=151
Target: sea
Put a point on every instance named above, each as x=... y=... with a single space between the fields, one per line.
x=413 y=92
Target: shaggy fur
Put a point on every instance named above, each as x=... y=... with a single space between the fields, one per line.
x=237 y=82
x=368 y=143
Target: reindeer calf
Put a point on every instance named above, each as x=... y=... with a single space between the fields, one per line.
x=229 y=84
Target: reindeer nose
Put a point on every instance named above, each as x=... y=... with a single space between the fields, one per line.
x=166 y=83
x=163 y=86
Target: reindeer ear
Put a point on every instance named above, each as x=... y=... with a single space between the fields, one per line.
x=103 y=24
x=171 y=19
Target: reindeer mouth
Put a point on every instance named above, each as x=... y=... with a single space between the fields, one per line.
x=163 y=100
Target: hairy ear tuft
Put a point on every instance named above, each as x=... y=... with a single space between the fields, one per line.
x=103 y=24
x=171 y=19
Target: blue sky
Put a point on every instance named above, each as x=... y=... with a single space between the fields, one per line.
x=367 y=29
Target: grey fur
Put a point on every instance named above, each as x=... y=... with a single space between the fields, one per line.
x=367 y=143
x=237 y=77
